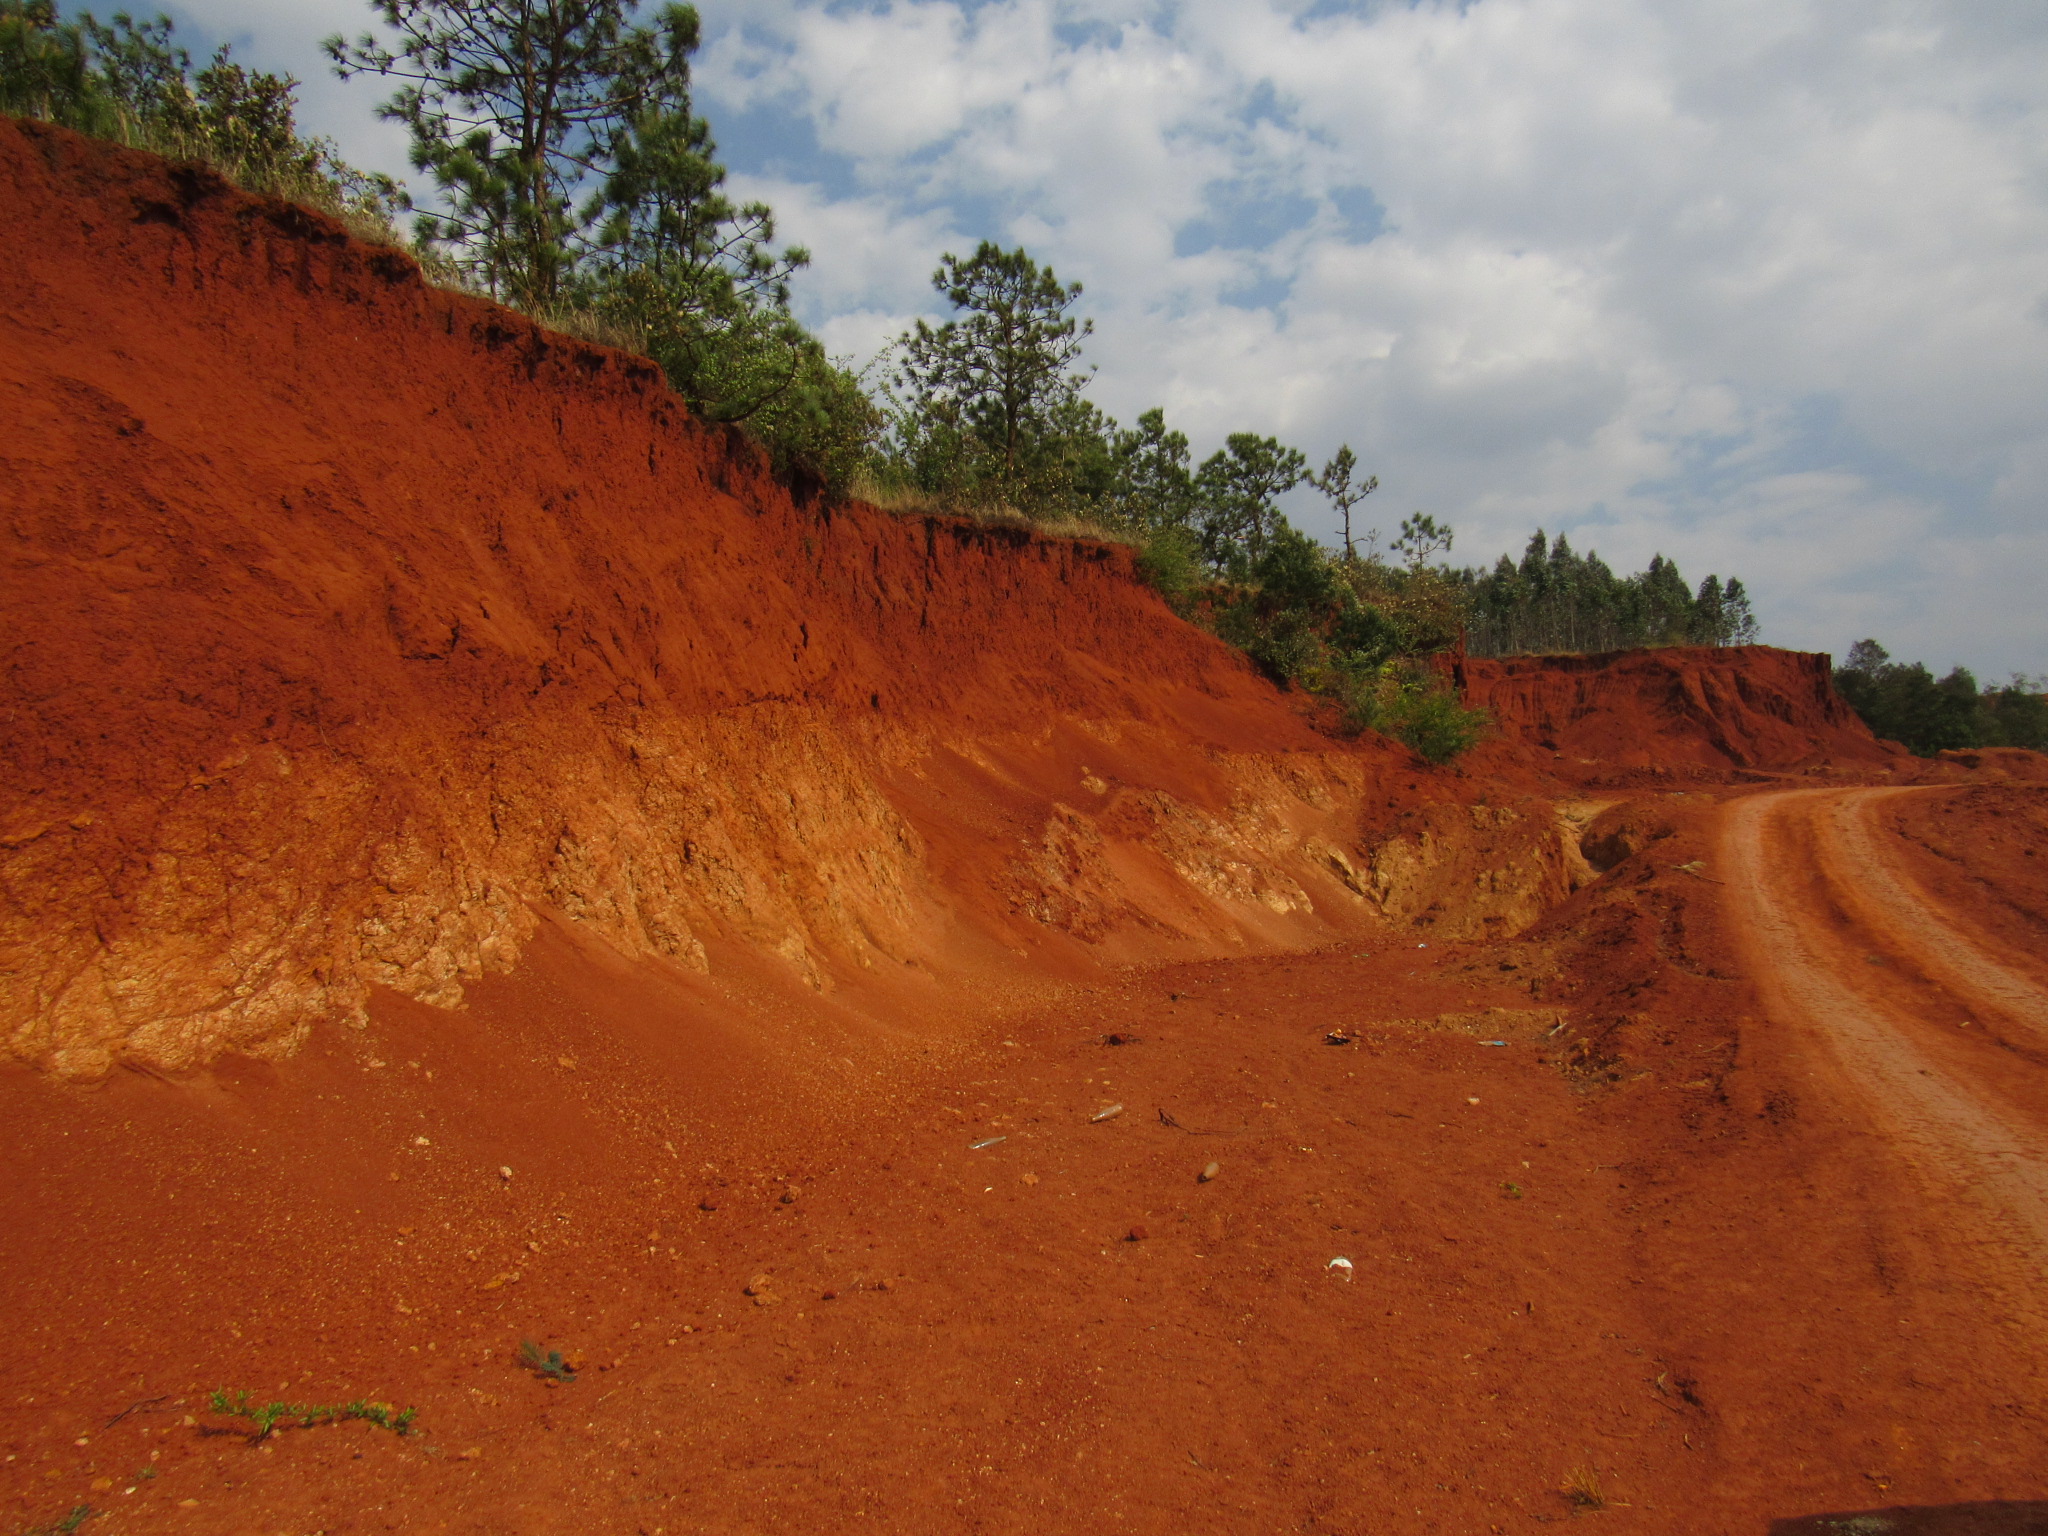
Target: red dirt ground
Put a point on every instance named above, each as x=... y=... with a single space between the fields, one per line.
x=372 y=648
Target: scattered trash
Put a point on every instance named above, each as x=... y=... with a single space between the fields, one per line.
x=1341 y=1265
x=1209 y=1173
x=1339 y=1037
x=1422 y=946
x=1493 y=1042
x=1510 y=1191
x=990 y=1141
x=421 y=1141
x=1105 y=1114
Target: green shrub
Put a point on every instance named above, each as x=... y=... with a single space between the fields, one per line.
x=1170 y=561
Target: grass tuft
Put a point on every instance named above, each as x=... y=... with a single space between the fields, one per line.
x=67 y=1525
x=1582 y=1489
x=266 y=1417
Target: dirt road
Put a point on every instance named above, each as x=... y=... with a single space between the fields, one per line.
x=1939 y=1035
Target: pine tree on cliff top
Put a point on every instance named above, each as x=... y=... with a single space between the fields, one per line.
x=519 y=110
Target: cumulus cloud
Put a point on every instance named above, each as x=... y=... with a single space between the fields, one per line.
x=1761 y=284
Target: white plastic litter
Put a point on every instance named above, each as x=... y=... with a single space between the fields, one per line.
x=1105 y=1114
x=1342 y=1265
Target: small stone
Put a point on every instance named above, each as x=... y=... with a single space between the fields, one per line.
x=759 y=1285
x=566 y=1063
x=102 y=1484
x=1210 y=1172
x=1029 y=1178
x=789 y=1195
x=421 y=1141
x=188 y=1503
x=471 y=1454
x=707 y=1204
x=829 y=1296
x=1137 y=1235
x=504 y=1173
x=1471 y=1101
x=885 y=1284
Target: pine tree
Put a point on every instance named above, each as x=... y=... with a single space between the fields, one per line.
x=1237 y=489
x=1335 y=482
x=519 y=111
x=1000 y=379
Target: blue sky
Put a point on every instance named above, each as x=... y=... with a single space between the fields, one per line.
x=1760 y=284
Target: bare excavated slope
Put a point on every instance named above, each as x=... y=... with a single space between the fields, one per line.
x=358 y=627
x=353 y=621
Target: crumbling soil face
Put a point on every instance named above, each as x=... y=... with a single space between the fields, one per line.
x=1674 y=709
x=355 y=621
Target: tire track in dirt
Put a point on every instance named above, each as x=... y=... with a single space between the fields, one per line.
x=1944 y=952
x=1814 y=891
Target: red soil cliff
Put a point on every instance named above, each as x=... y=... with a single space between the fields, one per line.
x=354 y=622
x=359 y=627
x=1737 y=707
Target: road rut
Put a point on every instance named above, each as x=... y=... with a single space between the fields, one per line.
x=1883 y=989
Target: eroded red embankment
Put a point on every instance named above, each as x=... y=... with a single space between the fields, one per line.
x=352 y=622
x=1692 y=706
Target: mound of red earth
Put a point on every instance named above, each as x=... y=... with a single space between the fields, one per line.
x=1683 y=708
x=485 y=863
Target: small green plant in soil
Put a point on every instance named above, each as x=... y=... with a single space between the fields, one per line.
x=547 y=1364
x=65 y=1526
x=266 y=1417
